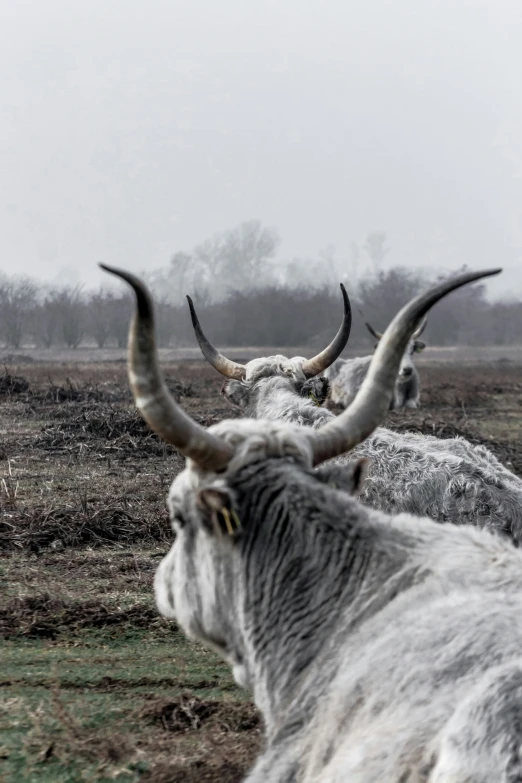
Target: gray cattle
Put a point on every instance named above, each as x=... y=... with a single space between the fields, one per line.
x=304 y=377
x=377 y=648
x=447 y=480
x=268 y=395
x=346 y=375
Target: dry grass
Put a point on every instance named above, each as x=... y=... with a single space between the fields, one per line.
x=85 y=524
x=96 y=686
x=12 y=384
x=47 y=617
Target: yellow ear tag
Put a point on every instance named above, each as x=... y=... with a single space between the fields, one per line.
x=228 y=515
x=228 y=523
x=314 y=399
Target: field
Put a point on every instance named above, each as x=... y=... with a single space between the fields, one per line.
x=96 y=686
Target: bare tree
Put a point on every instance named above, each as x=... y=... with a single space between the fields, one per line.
x=99 y=309
x=181 y=270
x=299 y=308
x=380 y=297
x=18 y=301
x=463 y=317
x=47 y=320
x=176 y=280
x=71 y=313
x=120 y=313
x=503 y=323
x=247 y=253
x=238 y=259
x=328 y=265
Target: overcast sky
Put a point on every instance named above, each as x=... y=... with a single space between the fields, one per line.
x=130 y=129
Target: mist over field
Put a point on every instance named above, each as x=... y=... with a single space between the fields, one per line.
x=253 y=309
x=134 y=131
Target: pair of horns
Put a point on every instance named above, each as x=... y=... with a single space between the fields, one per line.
x=310 y=367
x=340 y=435
x=415 y=335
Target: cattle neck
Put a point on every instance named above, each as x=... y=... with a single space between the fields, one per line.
x=311 y=558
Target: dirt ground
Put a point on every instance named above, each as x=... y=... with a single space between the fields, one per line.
x=95 y=686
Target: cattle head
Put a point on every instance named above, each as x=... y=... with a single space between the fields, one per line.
x=244 y=394
x=236 y=469
x=303 y=375
x=414 y=346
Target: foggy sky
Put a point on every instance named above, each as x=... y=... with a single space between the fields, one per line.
x=131 y=129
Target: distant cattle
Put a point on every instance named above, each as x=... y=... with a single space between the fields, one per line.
x=347 y=375
x=304 y=379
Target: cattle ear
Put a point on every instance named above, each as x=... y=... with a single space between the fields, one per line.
x=317 y=389
x=419 y=346
x=359 y=471
x=217 y=513
x=235 y=392
x=348 y=478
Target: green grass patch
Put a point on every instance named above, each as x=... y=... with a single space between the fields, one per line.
x=80 y=708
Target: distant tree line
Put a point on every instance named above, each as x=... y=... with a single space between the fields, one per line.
x=244 y=299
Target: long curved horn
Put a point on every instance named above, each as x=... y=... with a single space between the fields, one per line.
x=332 y=352
x=151 y=395
x=370 y=406
x=225 y=366
x=420 y=330
x=377 y=335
